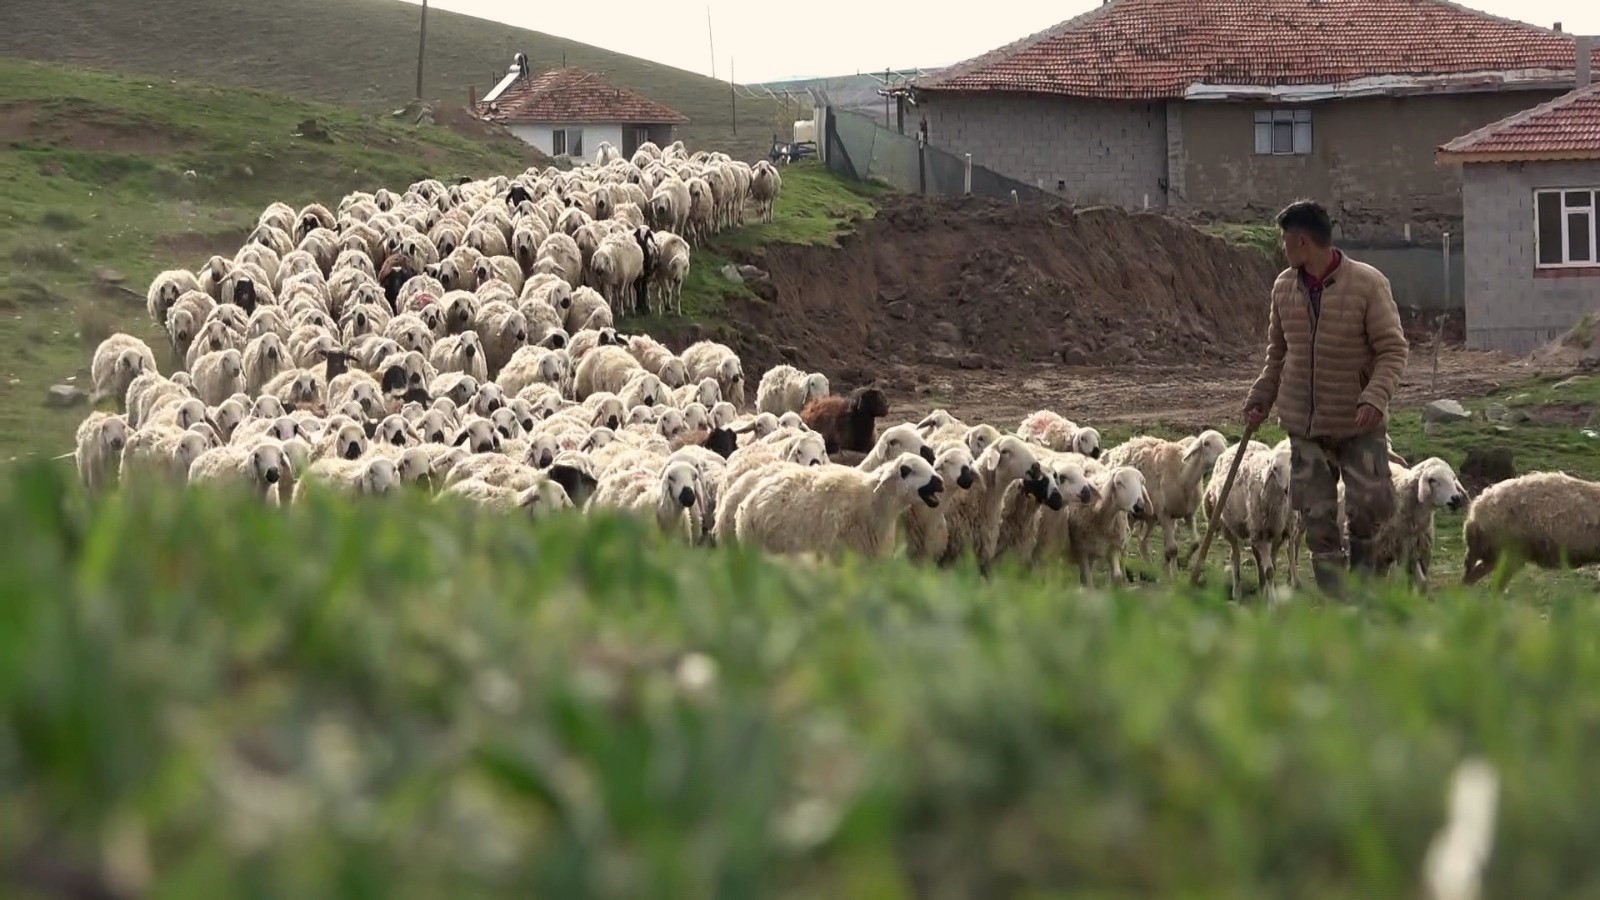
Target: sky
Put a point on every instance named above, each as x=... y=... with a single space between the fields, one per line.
x=766 y=41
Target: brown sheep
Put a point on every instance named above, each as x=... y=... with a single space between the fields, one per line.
x=847 y=423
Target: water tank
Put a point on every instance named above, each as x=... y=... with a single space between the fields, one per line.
x=805 y=130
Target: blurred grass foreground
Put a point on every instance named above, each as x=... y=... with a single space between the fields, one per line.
x=202 y=698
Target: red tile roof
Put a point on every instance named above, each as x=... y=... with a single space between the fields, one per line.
x=1156 y=49
x=1567 y=127
x=574 y=95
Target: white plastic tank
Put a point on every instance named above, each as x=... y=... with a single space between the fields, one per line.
x=805 y=130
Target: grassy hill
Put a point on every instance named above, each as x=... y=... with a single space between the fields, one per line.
x=357 y=53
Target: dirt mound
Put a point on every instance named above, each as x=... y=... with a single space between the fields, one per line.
x=1579 y=348
x=970 y=283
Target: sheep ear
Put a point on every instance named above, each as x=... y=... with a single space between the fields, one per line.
x=460 y=438
x=905 y=471
x=1191 y=451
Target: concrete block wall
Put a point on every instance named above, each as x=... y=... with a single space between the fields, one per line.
x=1508 y=307
x=1090 y=153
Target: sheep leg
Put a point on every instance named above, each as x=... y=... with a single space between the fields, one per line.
x=1234 y=563
x=1169 y=529
x=1085 y=576
x=1145 y=530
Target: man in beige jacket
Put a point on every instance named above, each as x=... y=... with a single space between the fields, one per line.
x=1335 y=354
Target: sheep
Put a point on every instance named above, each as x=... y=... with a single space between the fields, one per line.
x=709 y=359
x=149 y=391
x=279 y=428
x=262 y=466
x=211 y=337
x=605 y=369
x=118 y=360
x=358 y=387
x=264 y=357
x=297 y=388
x=618 y=268
x=101 y=437
x=1549 y=519
x=341 y=440
x=457 y=387
x=478 y=435
x=227 y=415
x=668 y=273
x=926 y=531
x=831 y=510
x=1051 y=430
x=973 y=517
x=745 y=469
x=656 y=358
x=1406 y=536
x=786 y=389
x=642 y=389
x=705 y=392
x=533 y=365
x=559 y=255
x=218 y=376
x=1097 y=530
x=669 y=206
x=503 y=330
x=1174 y=473
x=372 y=476
x=165 y=451
x=183 y=319
x=847 y=423
x=165 y=289
x=589 y=311
x=1258 y=509
x=545 y=497
x=460 y=353
x=414 y=465
x=765 y=184
x=673 y=494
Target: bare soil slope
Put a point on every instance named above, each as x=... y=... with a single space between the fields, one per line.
x=970 y=283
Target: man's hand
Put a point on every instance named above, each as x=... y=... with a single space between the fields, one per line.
x=1254 y=416
x=1368 y=417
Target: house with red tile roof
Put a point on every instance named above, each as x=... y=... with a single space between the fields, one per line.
x=1530 y=186
x=1233 y=108
x=569 y=112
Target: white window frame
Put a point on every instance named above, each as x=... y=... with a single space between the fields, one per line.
x=1266 y=123
x=558 y=142
x=571 y=140
x=1567 y=214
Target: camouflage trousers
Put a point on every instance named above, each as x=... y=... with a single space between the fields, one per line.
x=1317 y=466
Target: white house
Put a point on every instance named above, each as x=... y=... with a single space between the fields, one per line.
x=569 y=112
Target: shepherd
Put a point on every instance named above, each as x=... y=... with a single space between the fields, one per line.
x=1335 y=355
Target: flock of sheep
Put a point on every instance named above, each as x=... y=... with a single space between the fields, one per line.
x=463 y=339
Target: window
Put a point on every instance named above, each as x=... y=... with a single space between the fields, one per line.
x=1566 y=224
x=1283 y=132
x=566 y=142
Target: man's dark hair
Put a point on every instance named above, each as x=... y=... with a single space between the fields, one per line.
x=1307 y=216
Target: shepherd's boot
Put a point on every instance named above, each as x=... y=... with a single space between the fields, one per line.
x=1362 y=563
x=1330 y=577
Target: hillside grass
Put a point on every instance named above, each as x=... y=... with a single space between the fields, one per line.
x=360 y=54
x=101 y=174
x=201 y=697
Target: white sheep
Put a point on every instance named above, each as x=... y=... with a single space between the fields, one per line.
x=462 y=353
x=165 y=451
x=830 y=510
x=927 y=533
x=1258 y=509
x=165 y=289
x=118 y=360
x=670 y=271
x=1097 y=530
x=261 y=465
x=618 y=272
x=1549 y=519
x=605 y=369
x=218 y=376
x=1406 y=536
x=654 y=357
x=784 y=388
x=101 y=437
x=1051 y=430
x=765 y=184
x=1174 y=474
x=370 y=476
x=545 y=497
x=709 y=359
x=264 y=358
x=973 y=517
x=672 y=493
x=297 y=388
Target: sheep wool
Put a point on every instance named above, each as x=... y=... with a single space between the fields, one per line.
x=100 y=439
x=831 y=510
x=1549 y=519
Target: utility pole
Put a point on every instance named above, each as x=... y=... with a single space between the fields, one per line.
x=733 y=97
x=422 y=43
x=710 y=42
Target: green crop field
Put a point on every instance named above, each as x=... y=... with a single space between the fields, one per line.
x=360 y=54
x=201 y=697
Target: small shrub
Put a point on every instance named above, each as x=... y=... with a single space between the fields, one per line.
x=53 y=257
x=61 y=220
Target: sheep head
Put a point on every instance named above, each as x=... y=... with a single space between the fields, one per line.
x=1437 y=485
